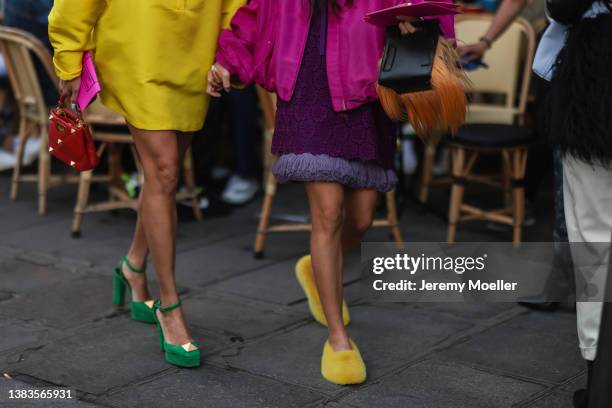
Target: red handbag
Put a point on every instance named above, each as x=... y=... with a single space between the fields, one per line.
x=70 y=138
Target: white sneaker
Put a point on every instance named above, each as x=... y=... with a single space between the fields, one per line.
x=203 y=203
x=31 y=151
x=7 y=160
x=239 y=190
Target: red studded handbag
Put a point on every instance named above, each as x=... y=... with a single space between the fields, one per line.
x=70 y=138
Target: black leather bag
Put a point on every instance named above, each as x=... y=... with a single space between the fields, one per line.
x=408 y=60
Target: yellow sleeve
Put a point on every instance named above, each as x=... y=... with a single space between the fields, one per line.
x=229 y=9
x=71 y=25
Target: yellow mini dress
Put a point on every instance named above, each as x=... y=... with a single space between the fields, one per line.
x=152 y=56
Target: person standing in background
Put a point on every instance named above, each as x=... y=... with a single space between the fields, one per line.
x=152 y=57
x=574 y=57
x=331 y=134
x=243 y=185
x=30 y=16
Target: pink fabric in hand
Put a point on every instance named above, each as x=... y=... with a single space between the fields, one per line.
x=442 y=10
x=90 y=86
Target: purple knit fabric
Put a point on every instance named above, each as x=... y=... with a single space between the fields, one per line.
x=353 y=174
x=314 y=143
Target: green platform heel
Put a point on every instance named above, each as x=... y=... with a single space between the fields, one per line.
x=140 y=311
x=187 y=355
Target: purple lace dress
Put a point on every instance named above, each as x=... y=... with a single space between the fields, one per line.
x=355 y=148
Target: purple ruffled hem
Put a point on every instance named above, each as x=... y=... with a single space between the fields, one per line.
x=353 y=174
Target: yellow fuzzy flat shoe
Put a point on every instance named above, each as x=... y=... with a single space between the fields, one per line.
x=305 y=276
x=343 y=367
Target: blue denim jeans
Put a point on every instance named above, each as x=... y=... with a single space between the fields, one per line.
x=29 y=15
x=32 y=16
x=243 y=105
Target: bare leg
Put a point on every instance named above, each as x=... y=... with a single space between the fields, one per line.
x=137 y=256
x=159 y=155
x=360 y=206
x=327 y=212
x=139 y=249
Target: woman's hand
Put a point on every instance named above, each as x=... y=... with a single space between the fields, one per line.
x=472 y=52
x=218 y=80
x=406 y=26
x=69 y=90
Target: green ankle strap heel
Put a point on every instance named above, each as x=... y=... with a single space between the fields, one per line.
x=186 y=355
x=140 y=311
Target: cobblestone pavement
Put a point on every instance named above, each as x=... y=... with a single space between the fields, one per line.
x=262 y=349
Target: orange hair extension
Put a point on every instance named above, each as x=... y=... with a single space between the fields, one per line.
x=437 y=111
x=392 y=104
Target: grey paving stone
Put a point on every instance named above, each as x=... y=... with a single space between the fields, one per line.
x=229 y=296
x=20 y=276
x=577 y=383
x=276 y=283
x=388 y=337
x=212 y=387
x=443 y=385
x=237 y=317
x=7 y=385
x=104 y=254
x=53 y=236
x=5 y=295
x=24 y=215
x=63 y=305
x=214 y=262
x=97 y=358
x=271 y=283
x=239 y=222
x=534 y=345
x=333 y=404
x=16 y=334
x=469 y=311
x=556 y=400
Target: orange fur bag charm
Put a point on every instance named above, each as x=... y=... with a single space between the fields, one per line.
x=421 y=81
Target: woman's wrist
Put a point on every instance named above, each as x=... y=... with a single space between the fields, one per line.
x=486 y=41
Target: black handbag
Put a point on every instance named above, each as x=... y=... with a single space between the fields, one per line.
x=408 y=60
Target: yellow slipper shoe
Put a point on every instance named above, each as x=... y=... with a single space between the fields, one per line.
x=343 y=367
x=304 y=274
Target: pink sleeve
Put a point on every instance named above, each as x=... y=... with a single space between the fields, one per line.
x=447 y=25
x=237 y=44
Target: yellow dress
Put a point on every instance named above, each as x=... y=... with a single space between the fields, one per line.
x=152 y=56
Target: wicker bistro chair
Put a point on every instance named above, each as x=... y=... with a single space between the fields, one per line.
x=267 y=102
x=494 y=128
x=21 y=51
x=109 y=130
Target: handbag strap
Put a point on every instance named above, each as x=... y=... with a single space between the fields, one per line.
x=61 y=105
